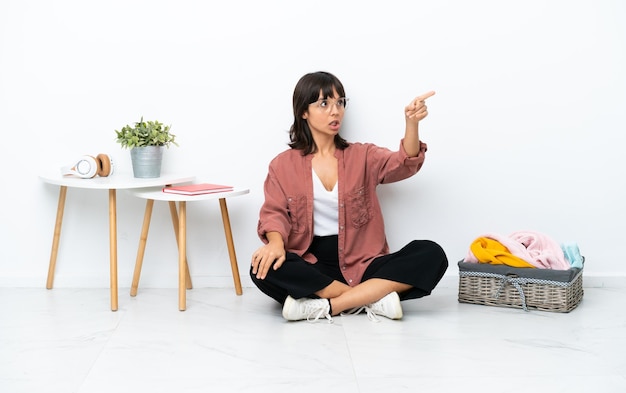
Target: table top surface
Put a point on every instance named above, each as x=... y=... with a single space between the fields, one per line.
x=115 y=181
x=157 y=194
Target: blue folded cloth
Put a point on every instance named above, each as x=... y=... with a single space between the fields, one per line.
x=572 y=254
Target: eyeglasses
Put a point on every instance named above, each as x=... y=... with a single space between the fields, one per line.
x=325 y=104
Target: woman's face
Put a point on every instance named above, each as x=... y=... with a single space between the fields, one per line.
x=325 y=115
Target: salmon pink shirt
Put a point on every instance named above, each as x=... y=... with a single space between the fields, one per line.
x=288 y=205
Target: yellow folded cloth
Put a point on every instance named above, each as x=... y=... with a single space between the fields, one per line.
x=491 y=251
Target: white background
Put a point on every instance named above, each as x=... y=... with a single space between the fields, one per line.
x=526 y=131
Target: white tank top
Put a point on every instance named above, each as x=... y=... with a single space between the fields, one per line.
x=325 y=208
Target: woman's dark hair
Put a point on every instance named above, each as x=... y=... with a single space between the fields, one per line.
x=307 y=91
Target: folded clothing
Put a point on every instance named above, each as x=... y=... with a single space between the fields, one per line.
x=534 y=248
x=572 y=254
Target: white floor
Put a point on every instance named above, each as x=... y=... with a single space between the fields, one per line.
x=67 y=340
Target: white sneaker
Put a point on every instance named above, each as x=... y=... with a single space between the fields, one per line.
x=305 y=308
x=389 y=306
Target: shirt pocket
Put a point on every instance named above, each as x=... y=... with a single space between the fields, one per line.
x=296 y=209
x=360 y=207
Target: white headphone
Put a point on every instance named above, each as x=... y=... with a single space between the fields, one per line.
x=87 y=167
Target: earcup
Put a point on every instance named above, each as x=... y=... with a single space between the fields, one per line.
x=105 y=165
x=85 y=167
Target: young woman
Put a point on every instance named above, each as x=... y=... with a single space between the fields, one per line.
x=325 y=251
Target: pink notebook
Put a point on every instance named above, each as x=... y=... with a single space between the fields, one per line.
x=197 y=189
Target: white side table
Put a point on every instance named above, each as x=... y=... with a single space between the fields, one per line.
x=180 y=228
x=111 y=183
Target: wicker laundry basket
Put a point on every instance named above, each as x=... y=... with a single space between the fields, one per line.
x=525 y=288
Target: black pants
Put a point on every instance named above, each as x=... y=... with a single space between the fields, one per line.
x=421 y=264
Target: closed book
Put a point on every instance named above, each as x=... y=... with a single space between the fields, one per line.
x=197 y=189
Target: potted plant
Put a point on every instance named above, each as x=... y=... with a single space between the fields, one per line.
x=146 y=140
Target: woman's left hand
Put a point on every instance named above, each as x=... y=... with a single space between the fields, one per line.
x=417 y=109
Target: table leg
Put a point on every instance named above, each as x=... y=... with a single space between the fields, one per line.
x=231 y=246
x=143 y=239
x=56 y=237
x=175 y=224
x=113 y=246
x=182 y=255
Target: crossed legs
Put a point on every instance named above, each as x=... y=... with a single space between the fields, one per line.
x=343 y=297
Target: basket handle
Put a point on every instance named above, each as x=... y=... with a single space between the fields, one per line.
x=514 y=280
